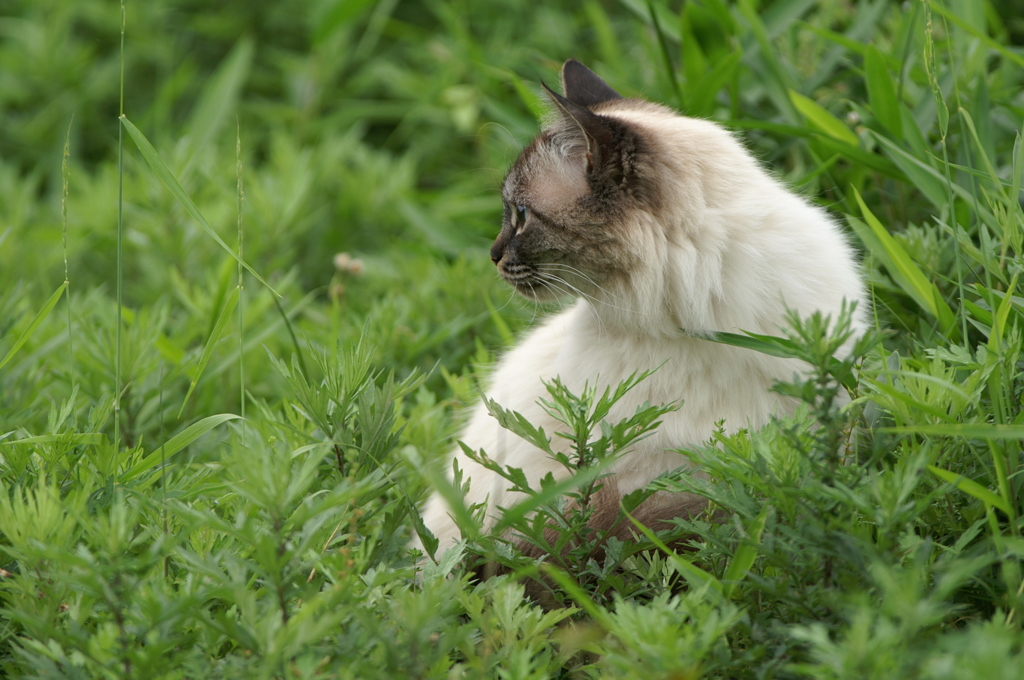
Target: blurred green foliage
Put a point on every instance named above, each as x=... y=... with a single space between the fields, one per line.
x=368 y=139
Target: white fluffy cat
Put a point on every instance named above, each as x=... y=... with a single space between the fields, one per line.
x=667 y=230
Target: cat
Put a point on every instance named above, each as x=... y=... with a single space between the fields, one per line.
x=666 y=230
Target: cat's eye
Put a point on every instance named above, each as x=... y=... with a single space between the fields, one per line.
x=521 y=213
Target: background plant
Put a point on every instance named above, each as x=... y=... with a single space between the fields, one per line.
x=198 y=543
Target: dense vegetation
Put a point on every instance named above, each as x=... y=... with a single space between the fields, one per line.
x=218 y=477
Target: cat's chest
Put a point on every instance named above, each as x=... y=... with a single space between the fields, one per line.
x=590 y=353
x=710 y=382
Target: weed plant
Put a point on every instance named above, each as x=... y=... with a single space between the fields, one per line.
x=211 y=457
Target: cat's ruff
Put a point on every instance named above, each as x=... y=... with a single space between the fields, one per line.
x=667 y=229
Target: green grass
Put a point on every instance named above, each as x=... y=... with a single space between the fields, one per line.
x=218 y=476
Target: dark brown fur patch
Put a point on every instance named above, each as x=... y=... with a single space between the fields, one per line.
x=656 y=513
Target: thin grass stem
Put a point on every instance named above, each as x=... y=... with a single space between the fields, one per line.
x=930 y=66
x=241 y=276
x=120 y=246
x=65 y=174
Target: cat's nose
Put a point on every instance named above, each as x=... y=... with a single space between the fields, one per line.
x=497 y=252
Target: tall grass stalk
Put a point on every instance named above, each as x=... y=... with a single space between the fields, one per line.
x=241 y=279
x=942 y=112
x=64 y=174
x=120 y=245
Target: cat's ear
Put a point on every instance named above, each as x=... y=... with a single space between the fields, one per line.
x=595 y=129
x=583 y=87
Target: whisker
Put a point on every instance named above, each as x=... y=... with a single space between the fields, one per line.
x=511 y=297
x=536 y=305
x=546 y=266
x=568 y=268
x=551 y=282
x=593 y=300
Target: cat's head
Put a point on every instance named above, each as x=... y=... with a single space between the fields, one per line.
x=570 y=197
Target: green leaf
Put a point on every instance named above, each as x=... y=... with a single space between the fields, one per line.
x=744 y=557
x=926 y=178
x=980 y=35
x=604 y=33
x=694 y=575
x=783 y=348
x=217 y=99
x=340 y=14
x=965 y=430
x=901 y=266
x=204 y=358
x=597 y=613
x=512 y=516
x=995 y=338
x=172 y=184
x=1017 y=178
x=39 y=318
x=971 y=487
x=775 y=78
x=820 y=118
x=666 y=53
x=833 y=145
x=858 y=155
x=901 y=396
x=990 y=171
x=832 y=36
x=702 y=97
x=454 y=497
x=882 y=92
x=76 y=438
x=176 y=443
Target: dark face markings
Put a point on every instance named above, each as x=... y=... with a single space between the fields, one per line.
x=568 y=233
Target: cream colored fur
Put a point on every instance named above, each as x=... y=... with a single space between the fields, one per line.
x=729 y=250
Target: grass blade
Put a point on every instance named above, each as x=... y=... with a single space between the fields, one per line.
x=65 y=175
x=577 y=593
x=218 y=98
x=39 y=318
x=120 y=247
x=77 y=438
x=172 y=184
x=1017 y=180
x=820 y=118
x=241 y=273
x=694 y=575
x=980 y=35
x=904 y=270
x=204 y=358
x=777 y=80
x=176 y=443
x=969 y=486
x=966 y=430
x=882 y=92
x=511 y=516
x=779 y=347
x=455 y=499
x=670 y=71
x=745 y=555
x=927 y=180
